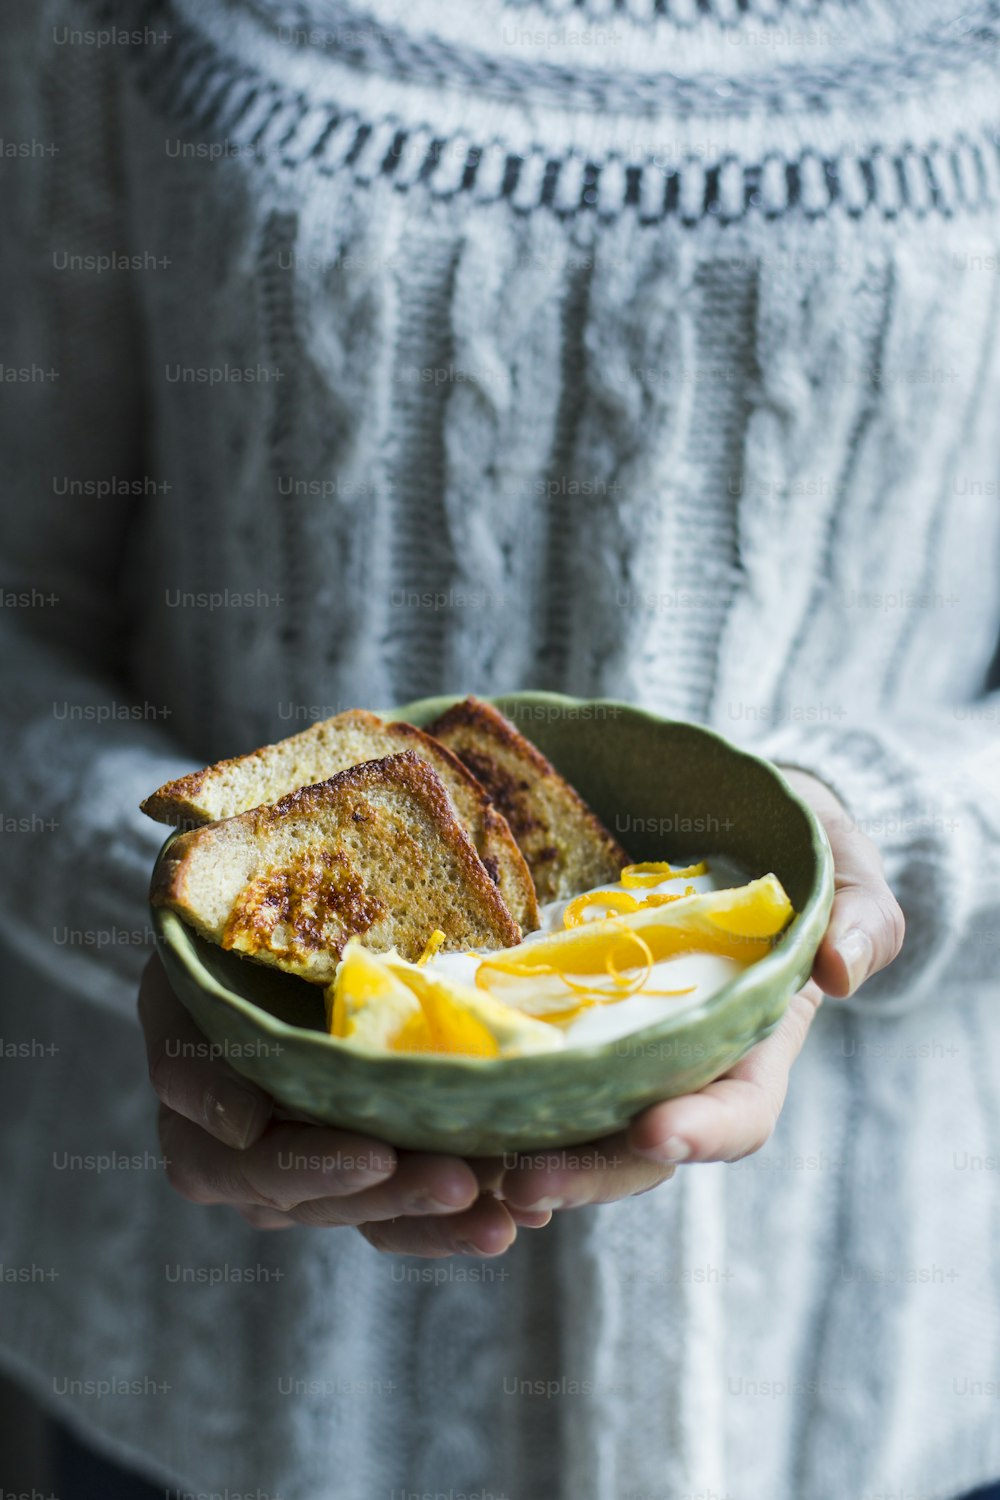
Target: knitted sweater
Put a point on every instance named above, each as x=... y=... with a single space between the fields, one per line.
x=644 y=348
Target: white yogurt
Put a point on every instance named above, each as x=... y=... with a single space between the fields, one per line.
x=704 y=973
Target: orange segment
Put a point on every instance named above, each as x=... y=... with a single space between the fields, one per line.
x=752 y=911
x=464 y=1020
x=366 y=1003
x=452 y=1027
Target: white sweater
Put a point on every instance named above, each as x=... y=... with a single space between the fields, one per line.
x=632 y=347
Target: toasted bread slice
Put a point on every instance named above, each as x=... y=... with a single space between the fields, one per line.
x=374 y=852
x=567 y=848
x=265 y=775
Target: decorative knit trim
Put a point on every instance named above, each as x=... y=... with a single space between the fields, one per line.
x=679 y=12
x=358 y=40
x=726 y=13
x=195 y=84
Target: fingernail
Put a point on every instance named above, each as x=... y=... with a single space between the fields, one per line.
x=466 y=1247
x=426 y=1203
x=672 y=1149
x=855 y=948
x=522 y=1225
x=236 y=1117
x=545 y=1205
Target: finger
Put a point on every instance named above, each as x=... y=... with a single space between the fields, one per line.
x=597 y=1173
x=287 y=1166
x=264 y=1218
x=735 y=1115
x=489 y=1172
x=526 y=1218
x=486 y=1229
x=187 y=1076
x=422 y=1185
x=866 y=927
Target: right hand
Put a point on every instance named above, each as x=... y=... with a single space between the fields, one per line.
x=224 y=1143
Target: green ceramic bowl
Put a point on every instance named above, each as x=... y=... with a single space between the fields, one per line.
x=668 y=790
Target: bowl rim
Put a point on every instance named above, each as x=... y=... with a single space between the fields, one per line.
x=171 y=931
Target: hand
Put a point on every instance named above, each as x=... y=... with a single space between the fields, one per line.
x=223 y=1142
x=735 y=1115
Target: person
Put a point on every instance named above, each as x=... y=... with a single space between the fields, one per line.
x=643 y=349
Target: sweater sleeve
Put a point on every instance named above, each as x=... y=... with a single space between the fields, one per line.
x=75 y=852
x=927 y=791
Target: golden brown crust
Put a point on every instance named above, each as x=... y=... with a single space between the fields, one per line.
x=164 y=887
x=566 y=845
x=483 y=719
x=303 y=898
x=175 y=810
x=176 y=802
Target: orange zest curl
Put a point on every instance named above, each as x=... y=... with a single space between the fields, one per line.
x=631 y=985
x=612 y=901
x=654 y=871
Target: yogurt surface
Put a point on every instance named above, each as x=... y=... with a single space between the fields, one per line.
x=703 y=973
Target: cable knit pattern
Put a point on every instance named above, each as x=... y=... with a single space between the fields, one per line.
x=640 y=350
x=662 y=365
x=499 y=429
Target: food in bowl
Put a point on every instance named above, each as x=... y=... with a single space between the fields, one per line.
x=662 y=786
x=398 y=883
x=609 y=962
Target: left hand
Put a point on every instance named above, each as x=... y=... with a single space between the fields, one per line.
x=735 y=1115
